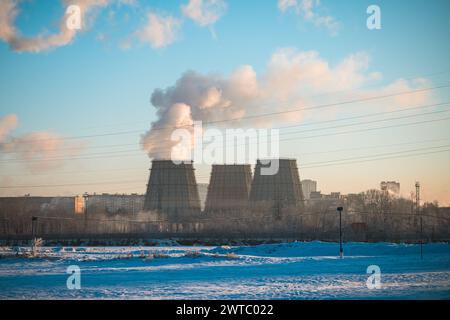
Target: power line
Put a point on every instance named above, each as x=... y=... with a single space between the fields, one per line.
x=71 y=184
x=430 y=74
x=376 y=146
x=320 y=106
x=422 y=75
x=303 y=154
x=375 y=159
x=368 y=129
x=366 y=115
x=166 y=147
x=280 y=127
x=329 y=163
x=354 y=131
x=349 y=118
x=370 y=122
x=123 y=153
x=378 y=155
x=328 y=105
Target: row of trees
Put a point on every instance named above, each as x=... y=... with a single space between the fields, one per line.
x=370 y=216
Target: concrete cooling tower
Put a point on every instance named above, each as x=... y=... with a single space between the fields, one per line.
x=229 y=187
x=172 y=189
x=282 y=189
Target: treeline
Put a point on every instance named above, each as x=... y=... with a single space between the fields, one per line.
x=370 y=216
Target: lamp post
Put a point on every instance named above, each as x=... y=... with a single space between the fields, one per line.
x=33 y=228
x=33 y=234
x=419 y=213
x=85 y=197
x=341 y=250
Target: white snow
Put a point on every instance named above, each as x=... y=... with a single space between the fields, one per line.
x=310 y=270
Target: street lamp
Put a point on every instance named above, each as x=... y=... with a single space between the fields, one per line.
x=341 y=250
x=33 y=228
x=85 y=196
x=33 y=234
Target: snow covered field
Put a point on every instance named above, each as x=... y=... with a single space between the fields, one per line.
x=278 y=271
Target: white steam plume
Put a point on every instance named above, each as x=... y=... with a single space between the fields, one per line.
x=291 y=80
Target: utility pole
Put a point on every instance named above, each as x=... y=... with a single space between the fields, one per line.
x=418 y=212
x=341 y=250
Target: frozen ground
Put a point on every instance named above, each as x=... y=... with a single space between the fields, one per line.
x=278 y=271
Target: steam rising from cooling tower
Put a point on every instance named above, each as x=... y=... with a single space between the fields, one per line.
x=172 y=189
x=282 y=189
x=291 y=79
x=201 y=98
x=229 y=188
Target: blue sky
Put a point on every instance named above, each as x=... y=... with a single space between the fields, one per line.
x=93 y=85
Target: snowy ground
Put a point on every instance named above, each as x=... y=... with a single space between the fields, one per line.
x=278 y=271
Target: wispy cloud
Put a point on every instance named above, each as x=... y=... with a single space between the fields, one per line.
x=37 y=151
x=9 y=10
x=204 y=12
x=7 y=124
x=307 y=9
x=159 y=30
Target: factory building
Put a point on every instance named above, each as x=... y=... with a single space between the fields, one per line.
x=172 y=190
x=280 y=190
x=229 y=188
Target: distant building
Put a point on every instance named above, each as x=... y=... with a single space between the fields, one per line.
x=317 y=198
x=315 y=195
x=28 y=206
x=333 y=196
x=392 y=187
x=115 y=203
x=308 y=186
x=79 y=204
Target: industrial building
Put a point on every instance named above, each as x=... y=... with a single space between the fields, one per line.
x=229 y=188
x=282 y=189
x=172 y=190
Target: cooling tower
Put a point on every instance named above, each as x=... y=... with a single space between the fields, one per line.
x=172 y=189
x=229 y=187
x=282 y=189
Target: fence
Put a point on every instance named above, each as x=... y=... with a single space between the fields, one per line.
x=288 y=225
